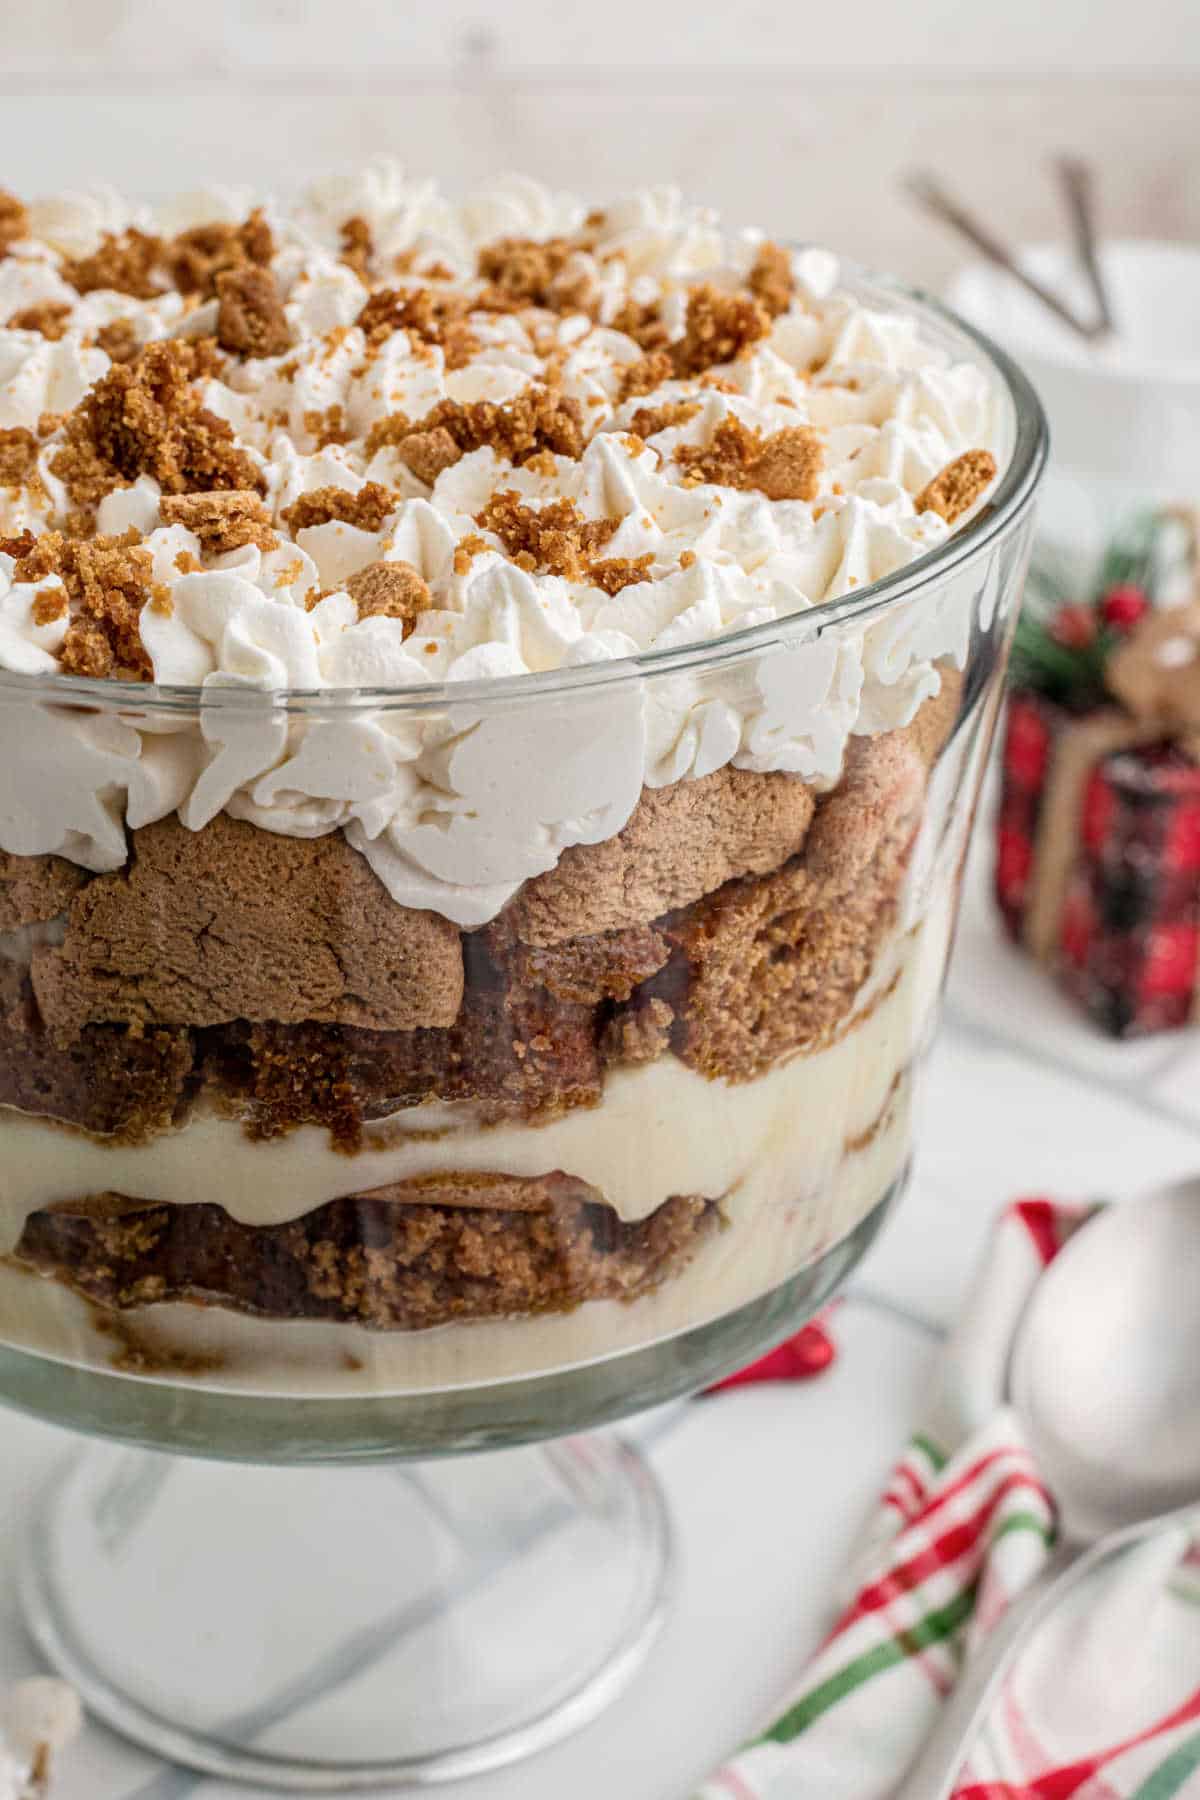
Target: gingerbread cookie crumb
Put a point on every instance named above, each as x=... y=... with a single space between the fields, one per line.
x=367 y=509
x=720 y=328
x=534 y=420
x=130 y=262
x=50 y=605
x=196 y=257
x=18 y=456
x=613 y=573
x=146 y=417
x=223 y=520
x=467 y=549
x=119 y=340
x=644 y=375
x=49 y=318
x=523 y=270
x=648 y=421
x=390 y=590
x=14 y=220
x=250 y=318
x=435 y=317
x=784 y=466
x=555 y=537
x=108 y=580
x=771 y=280
x=357 y=246
x=952 y=492
x=427 y=453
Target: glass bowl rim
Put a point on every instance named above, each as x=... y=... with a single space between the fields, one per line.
x=1016 y=488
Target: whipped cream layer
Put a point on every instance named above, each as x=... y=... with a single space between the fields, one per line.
x=456 y=804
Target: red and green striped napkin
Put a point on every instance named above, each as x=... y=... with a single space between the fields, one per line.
x=1105 y=1705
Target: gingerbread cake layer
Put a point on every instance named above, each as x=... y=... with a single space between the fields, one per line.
x=185 y=978
x=520 y=1247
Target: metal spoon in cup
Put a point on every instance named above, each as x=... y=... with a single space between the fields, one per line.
x=1105 y=1379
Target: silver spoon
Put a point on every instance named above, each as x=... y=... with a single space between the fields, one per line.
x=1105 y=1379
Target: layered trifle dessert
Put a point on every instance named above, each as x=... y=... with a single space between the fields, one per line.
x=474 y=876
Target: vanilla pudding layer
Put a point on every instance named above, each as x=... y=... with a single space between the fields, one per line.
x=794 y=1160
x=214 y=1348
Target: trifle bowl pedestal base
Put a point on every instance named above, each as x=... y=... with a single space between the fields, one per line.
x=327 y=1630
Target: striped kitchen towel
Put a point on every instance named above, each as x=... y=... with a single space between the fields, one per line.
x=1105 y=1704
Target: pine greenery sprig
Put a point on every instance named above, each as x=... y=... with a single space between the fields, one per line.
x=1063 y=641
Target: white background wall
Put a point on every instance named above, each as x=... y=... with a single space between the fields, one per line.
x=803 y=116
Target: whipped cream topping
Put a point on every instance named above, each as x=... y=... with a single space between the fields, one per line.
x=457 y=803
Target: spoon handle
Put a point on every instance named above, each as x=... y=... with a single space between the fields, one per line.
x=943 y=1753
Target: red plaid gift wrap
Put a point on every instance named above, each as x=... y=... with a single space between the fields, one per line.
x=1127 y=943
x=1097 y=867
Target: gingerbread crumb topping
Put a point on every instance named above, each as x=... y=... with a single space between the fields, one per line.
x=534 y=420
x=367 y=509
x=720 y=328
x=119 y=340
x=18 y=456
x=49 y=317
x=467 y=549
x=644 y=375
x=327 y=425
x=129 y=262
x=434 y=317
x=250 y=318
x=252 y=396
x=556 y=539
x=616 y=572
x=197 y=256
x=784 y=466
x=524 y=271
x=50 y=605
x=648 y=421
x=224 y=520
x=14 y=220
x=108 y=580
x=357 y=246
x=146 y=417
x=958 y=486
x=390 y=590
x=427 y=453
x=771 y=280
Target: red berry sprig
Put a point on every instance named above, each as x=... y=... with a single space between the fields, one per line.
x=1074 y=627
x=1124 y=607
x=1066 y=635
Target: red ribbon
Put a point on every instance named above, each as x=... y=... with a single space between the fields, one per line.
x=798 y=1358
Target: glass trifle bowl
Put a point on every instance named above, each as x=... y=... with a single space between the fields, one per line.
x=491 y=722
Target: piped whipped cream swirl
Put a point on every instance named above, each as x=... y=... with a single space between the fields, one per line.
x=456 y=803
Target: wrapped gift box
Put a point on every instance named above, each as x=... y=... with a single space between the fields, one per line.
x=1098 y=831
